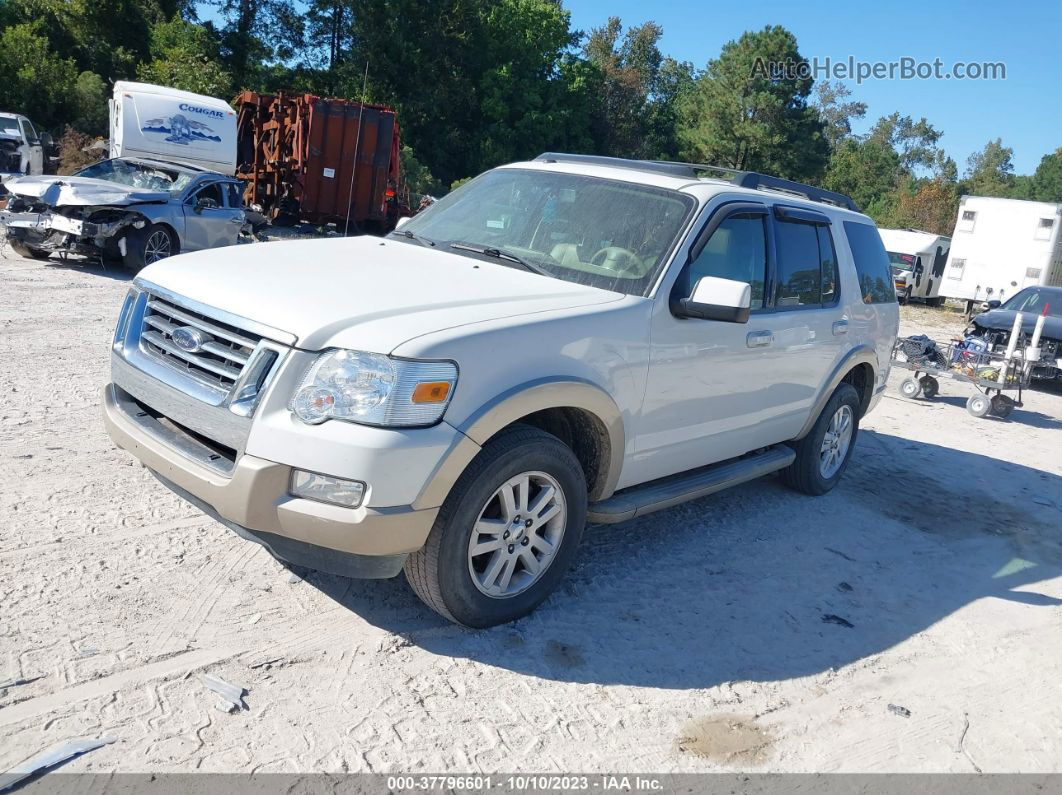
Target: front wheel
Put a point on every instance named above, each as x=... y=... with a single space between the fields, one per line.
x=979 y=405
x=148 y=245
x=822 y=456
x=507 y=532
x=29 y=252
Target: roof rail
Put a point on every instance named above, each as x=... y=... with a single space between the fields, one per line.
x=670 y=169
x=750 y=179
x=744 y=179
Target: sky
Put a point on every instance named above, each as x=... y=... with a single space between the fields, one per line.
x=1025 y=109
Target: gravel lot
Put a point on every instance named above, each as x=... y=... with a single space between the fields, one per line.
x=754 y=630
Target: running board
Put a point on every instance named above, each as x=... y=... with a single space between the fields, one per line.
x=675 y=489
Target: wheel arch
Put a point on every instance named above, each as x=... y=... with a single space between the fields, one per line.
x=858 y=368
x=580 y=413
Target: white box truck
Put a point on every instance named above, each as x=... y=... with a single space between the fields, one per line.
x=917 y=259
x=162 y=123
x=1000 y=246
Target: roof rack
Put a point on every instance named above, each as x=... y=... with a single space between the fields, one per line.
x=744 y=179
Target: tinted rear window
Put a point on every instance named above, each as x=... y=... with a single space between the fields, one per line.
x=871 y=262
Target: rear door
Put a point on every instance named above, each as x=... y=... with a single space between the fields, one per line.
x=807 y=320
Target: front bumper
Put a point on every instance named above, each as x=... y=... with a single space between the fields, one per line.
x=253 y=499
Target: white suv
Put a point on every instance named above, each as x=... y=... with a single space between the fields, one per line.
x=560 y=341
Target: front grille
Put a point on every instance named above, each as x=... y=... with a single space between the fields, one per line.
x=219 y=359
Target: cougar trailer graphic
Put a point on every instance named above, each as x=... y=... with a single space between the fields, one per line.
x=179 y=129
x=167 y=124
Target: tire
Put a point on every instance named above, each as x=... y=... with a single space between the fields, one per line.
x=29 y=252
x=910 y=388
x=145 y=246
x=808 y=473
x=979 y=405
x=446 y=574
x=906 y=299
x=1002 y=406
x=930 y=386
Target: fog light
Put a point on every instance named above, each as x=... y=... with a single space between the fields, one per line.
x=324 y=488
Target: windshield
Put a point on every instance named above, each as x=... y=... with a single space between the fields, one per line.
x=903 y=262
x=138 y=175
x=9 y=126
x=603 y=233
x=1033 y=299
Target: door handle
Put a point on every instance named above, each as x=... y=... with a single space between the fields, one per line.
x=840 y=327
x=759 y=339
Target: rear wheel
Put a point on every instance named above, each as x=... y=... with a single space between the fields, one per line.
x=822 y=456
x=29 y=252
x=148 y=245
x=507 y=532
x=1002 y=406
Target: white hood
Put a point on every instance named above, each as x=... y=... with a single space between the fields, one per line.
x=364 y=293
x=82 y=192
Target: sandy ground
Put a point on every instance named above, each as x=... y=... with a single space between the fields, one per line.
x=754 y=630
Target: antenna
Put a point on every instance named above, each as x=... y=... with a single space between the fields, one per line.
x=357 y=145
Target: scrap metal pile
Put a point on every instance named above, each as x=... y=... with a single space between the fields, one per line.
x=297 y=154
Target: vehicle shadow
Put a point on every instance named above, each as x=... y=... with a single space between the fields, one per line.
x=765 y=584
x=84 y=264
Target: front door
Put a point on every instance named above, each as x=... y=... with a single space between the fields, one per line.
x=208 y=220
x=35 y=160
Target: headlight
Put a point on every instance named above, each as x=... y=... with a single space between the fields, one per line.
x=373 y=389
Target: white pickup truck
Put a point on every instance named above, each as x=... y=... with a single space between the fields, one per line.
x=559 y=341
x=23 y=150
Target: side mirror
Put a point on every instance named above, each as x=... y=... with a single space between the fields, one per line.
x=989 y=305
x=203 y=203
x=46 y=140
x=717 y=299
x=401 y=221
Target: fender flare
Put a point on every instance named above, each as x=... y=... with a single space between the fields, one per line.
x=861 y=354
x=520 y=401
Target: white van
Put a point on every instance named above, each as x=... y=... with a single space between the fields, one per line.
x=164 y=123
x=917 y=259
x=1000 y=246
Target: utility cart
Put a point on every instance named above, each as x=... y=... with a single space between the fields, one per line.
x=968 y=361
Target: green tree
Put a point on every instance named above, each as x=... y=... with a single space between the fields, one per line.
x=90 y=94
x=1046 y=183
x=740 y=114
x=186 y=56
x=831 y=100
x=990 y=171
x=36 y=81
x=915 y=142
x=866 y=170
x=256 y=34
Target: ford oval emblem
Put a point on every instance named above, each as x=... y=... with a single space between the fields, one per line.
x=189 y=339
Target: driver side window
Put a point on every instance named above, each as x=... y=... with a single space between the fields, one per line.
x=736 y=250
x=210 y=195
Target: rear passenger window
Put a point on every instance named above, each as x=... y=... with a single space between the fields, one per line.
x=807 y=265
x=736 y=250
x=871 y=262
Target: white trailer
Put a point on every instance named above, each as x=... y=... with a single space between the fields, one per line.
x=918 y=260
x=1000 y=246
x=166 y=124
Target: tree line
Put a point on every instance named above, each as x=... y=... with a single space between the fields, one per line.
x=482 y=82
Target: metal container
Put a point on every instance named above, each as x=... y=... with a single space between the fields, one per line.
x=297 y=154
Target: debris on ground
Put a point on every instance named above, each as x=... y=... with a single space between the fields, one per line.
x=19 y=681
x=230 y=693
x=896 y=709
x=56 y=755
x=844 y=587
x=830 y=618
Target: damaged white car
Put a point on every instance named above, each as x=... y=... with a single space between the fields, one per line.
x=137 y=211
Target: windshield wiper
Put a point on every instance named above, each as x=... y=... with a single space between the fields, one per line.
x=407 y=234
x=498 y=253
